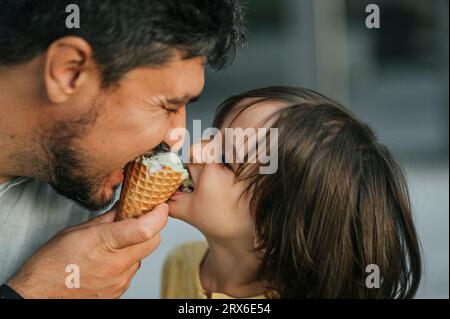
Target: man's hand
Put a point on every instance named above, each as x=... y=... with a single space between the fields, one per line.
x=108 y=255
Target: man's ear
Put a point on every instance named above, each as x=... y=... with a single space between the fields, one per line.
x=68 y=64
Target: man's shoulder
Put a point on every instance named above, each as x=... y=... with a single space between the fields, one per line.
x=31 y=212
x=33 y=196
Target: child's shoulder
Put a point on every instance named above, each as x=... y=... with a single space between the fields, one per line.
x=181 y=269
x=194 y=251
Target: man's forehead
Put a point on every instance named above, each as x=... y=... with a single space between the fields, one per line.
x=184 y=81
x=178 y=82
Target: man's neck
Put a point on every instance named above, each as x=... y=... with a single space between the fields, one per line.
x=15 y=100
x=232 y=269
x=4 y=179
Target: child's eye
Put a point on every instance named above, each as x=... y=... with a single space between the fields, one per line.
x=228 y=166
x=225 y=164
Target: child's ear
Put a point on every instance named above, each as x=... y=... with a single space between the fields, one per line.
x=256 y=242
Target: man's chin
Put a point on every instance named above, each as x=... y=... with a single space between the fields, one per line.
x=93 y=201
x=99 y=202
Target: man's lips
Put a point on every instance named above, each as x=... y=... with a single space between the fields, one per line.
x=117 y=176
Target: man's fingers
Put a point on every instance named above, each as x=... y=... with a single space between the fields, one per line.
x=130 y=232
x=133 y=269
x=127 y=276
x=138 y=252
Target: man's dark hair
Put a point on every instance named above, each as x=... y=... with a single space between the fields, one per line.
x=124 y=34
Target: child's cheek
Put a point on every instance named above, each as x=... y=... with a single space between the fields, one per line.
x=215 y=185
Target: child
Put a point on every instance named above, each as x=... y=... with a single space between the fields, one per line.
x=333 y=221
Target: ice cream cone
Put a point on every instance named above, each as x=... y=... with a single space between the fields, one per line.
x=142 y=189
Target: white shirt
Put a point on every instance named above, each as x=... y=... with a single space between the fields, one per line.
x=31 y=212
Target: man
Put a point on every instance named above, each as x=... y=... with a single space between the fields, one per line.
x=77 y=104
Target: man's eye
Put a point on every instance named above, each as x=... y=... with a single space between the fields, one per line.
x=171 y=111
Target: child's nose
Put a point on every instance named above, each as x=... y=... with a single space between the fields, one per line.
x=195 y=153
x=205 y=152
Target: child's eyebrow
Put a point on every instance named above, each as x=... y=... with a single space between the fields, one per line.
x=224 y=146
x=245 y=145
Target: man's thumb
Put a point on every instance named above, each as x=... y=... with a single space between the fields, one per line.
x=132 y=231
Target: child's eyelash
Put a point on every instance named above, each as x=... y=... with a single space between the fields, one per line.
x=228 y=166
x=225 y=164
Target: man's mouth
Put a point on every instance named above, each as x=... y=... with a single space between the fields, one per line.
x=117 y=176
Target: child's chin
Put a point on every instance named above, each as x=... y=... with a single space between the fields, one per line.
x=177 y=209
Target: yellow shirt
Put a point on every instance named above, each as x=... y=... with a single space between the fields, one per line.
x=181 y=274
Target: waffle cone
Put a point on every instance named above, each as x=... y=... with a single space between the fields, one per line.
x=142 y=191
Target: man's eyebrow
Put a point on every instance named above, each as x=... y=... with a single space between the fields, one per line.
x=183 y=101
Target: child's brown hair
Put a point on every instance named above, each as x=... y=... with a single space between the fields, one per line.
x=337 y=203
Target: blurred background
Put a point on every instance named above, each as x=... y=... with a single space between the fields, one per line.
x=395 y=78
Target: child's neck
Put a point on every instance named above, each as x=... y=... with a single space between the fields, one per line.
x=232 y=269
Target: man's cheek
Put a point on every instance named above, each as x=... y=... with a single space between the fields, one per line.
x=150 y=135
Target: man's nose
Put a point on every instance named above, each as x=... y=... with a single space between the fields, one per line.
x=177 y=131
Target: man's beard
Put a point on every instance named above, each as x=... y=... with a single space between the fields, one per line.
x=66 y=167
x=69 y=180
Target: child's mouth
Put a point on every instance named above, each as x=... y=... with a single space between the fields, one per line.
x=186 y=189
x=187 y=186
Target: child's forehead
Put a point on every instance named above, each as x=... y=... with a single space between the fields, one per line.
x=252 y=112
